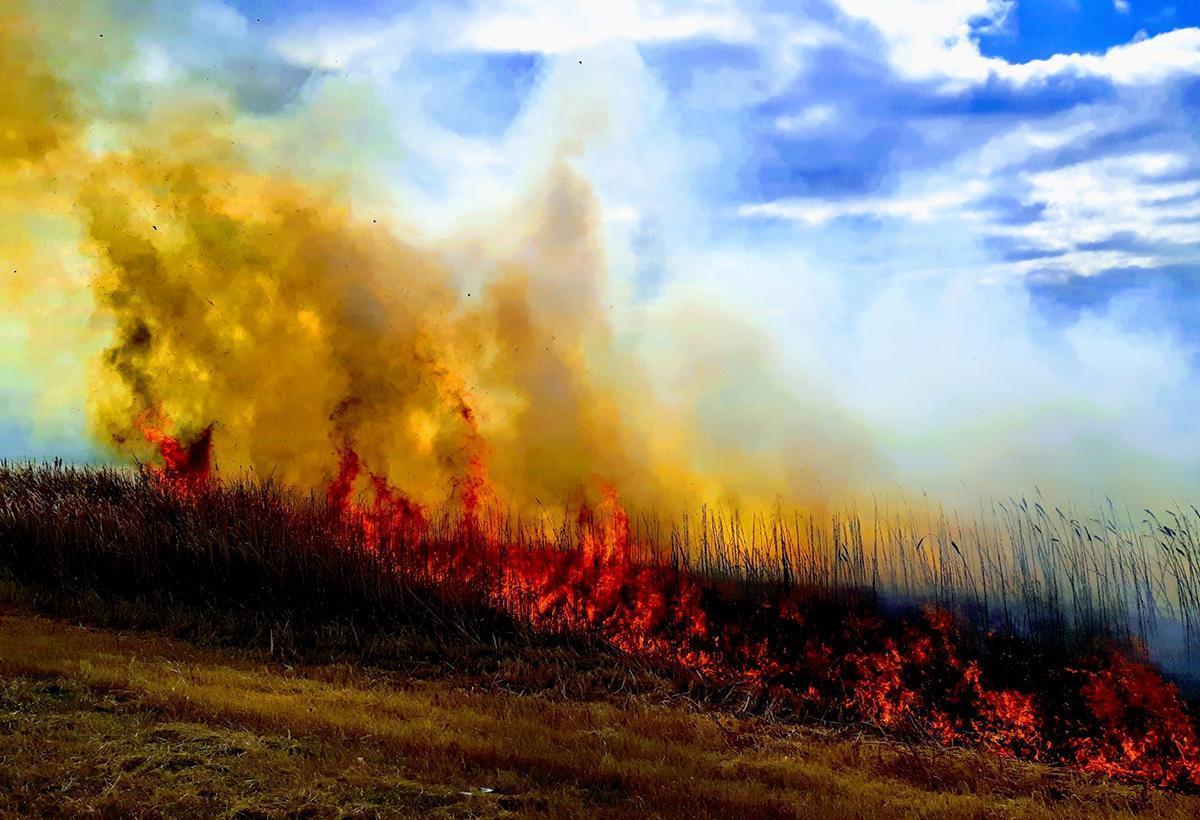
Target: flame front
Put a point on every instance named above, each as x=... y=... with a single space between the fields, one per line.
x=920 y=677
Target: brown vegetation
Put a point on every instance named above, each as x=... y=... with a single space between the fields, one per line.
x=117 y=724
x=310 y=579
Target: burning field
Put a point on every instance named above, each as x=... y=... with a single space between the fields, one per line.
x=314 y=418
x=796 y=643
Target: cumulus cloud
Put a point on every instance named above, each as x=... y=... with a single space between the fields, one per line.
x=935 y=38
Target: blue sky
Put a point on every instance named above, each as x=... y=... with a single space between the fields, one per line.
x=973 y=225
x=1057 y=137
x=1040 y=30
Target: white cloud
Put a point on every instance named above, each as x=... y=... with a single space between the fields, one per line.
x=343 y=48
x=926 y=20
x=927 y=39
x=217 y=17
x=818 y=211
x=577 y=25
x=1092 y=202
x=1142 y=61
x=1017 y=145
x=1121 y=6
x=805 y=120
x=931 y=38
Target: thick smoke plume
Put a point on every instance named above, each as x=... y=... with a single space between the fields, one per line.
x=243 y=301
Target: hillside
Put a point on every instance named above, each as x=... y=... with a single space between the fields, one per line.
x=107 y=722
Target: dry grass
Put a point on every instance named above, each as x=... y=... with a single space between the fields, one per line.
x=255 y=565
x=117 y=724
x=1059 y=578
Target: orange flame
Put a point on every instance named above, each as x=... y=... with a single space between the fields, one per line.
x=1108 y=714
x=186 y=466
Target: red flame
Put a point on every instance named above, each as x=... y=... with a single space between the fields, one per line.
x=921 y=676
x=1144 y=732
x=474 y=488
x=389 y=511
x=186 y=466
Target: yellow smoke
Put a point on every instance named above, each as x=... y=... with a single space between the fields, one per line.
x=44 y=315
x=238 y=293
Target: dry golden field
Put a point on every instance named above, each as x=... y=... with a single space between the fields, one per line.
x=109 y=723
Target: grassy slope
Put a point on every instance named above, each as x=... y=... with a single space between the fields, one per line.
x=124 y=723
